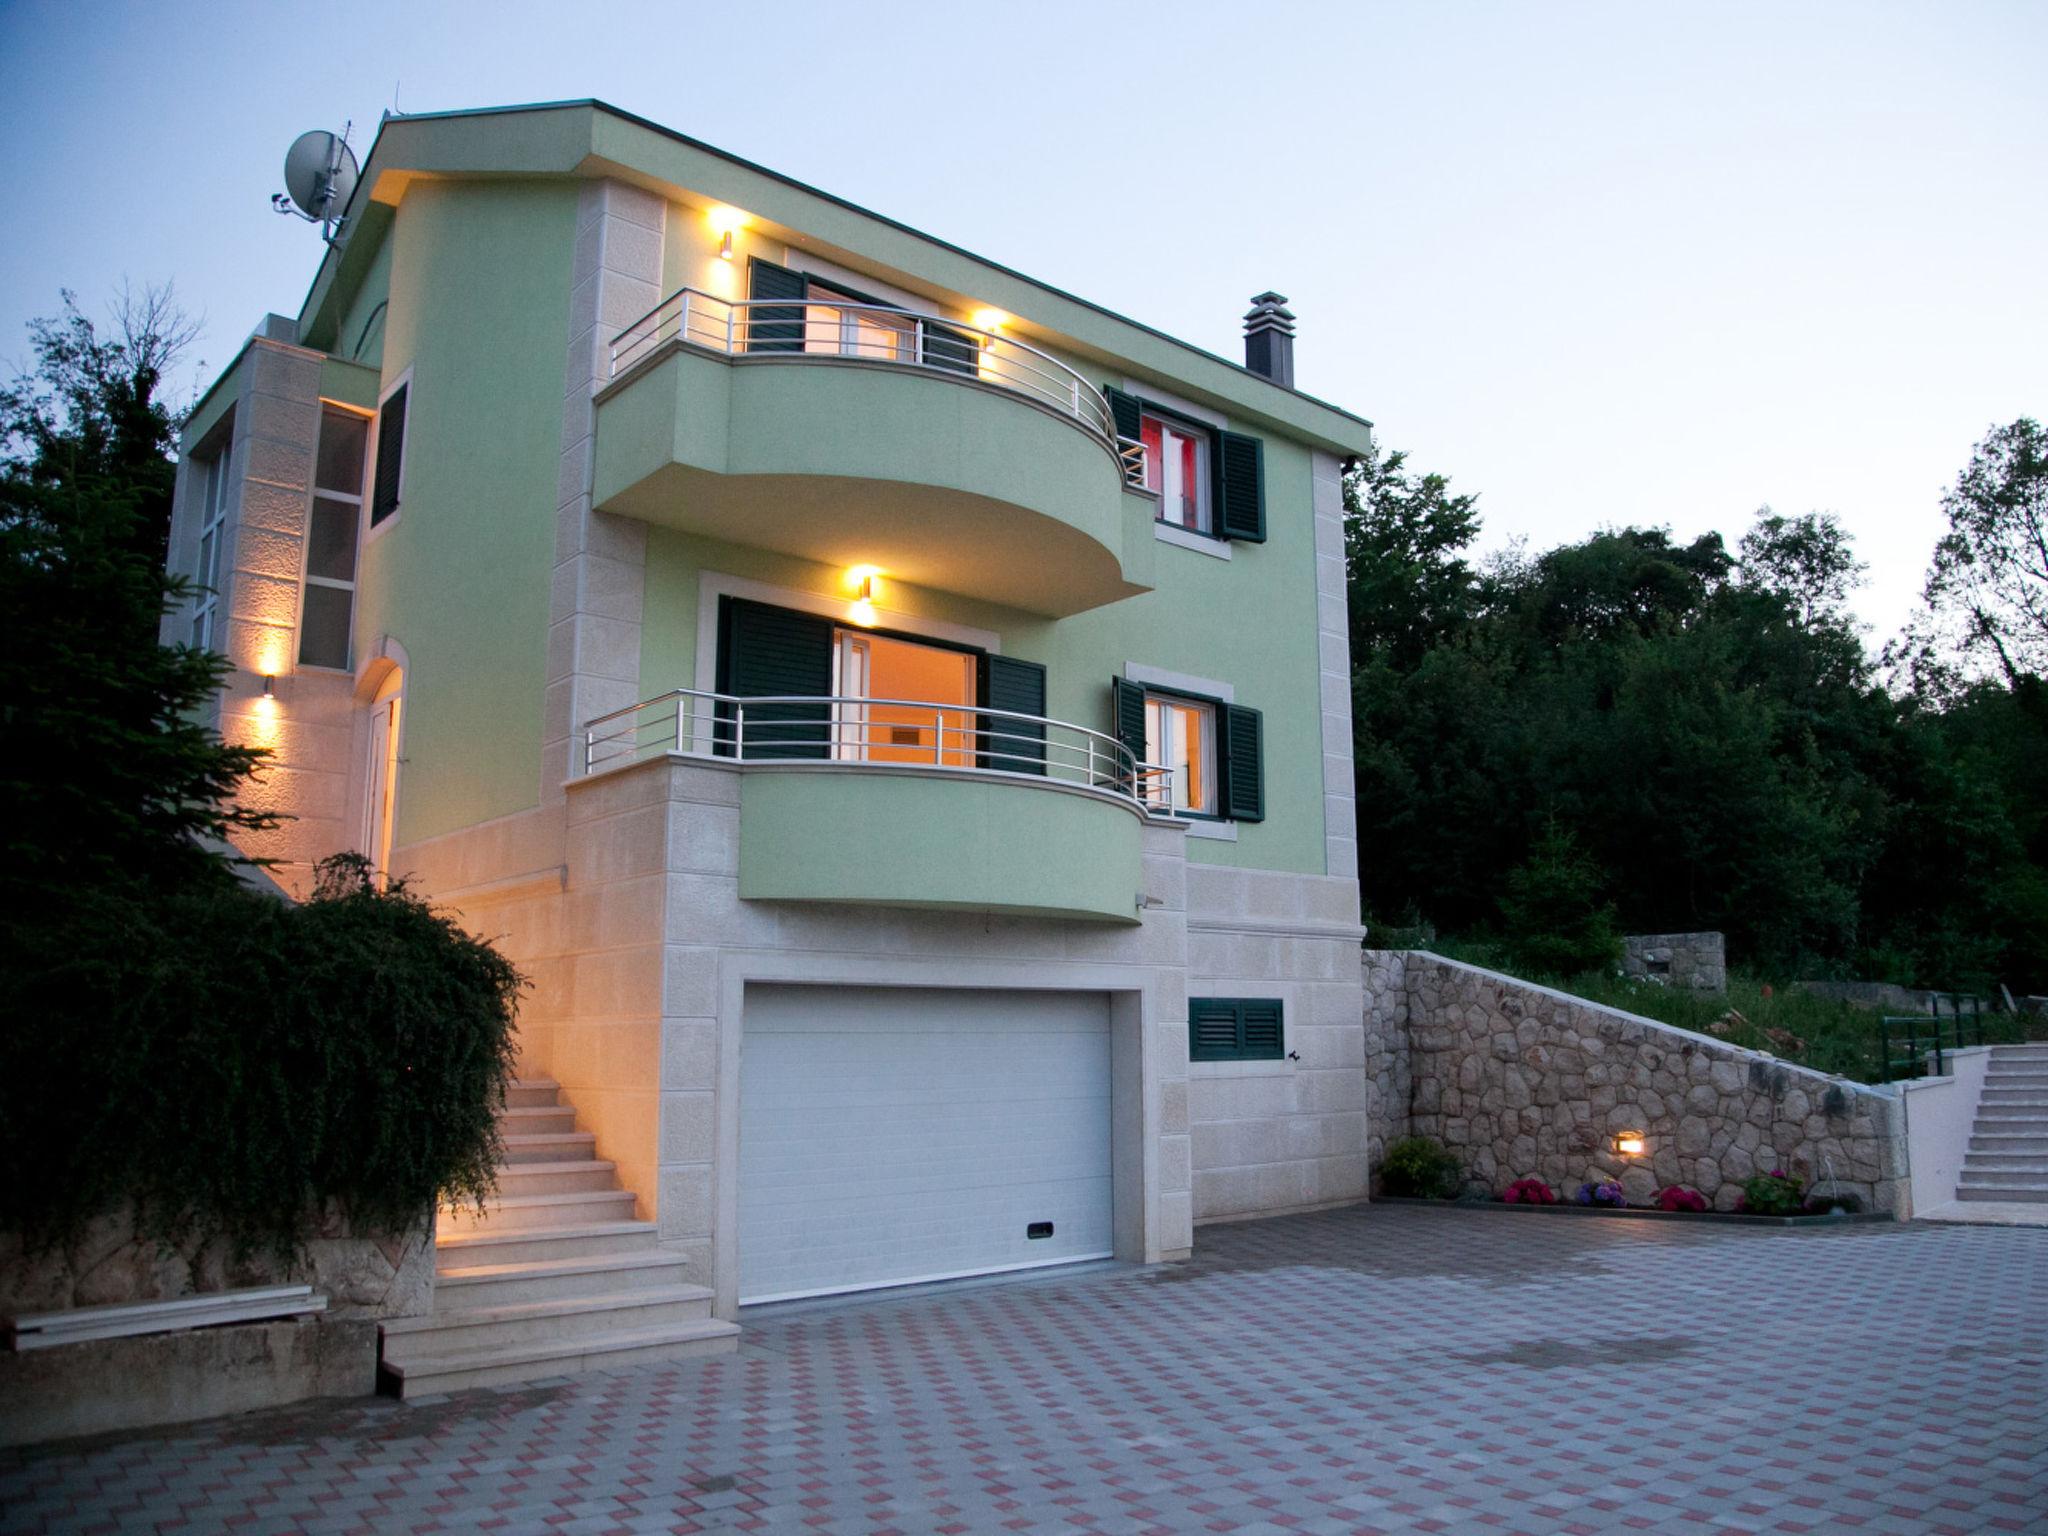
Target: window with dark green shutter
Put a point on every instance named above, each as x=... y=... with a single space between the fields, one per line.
x=764 y=651
x=1244 y=765
x=1208 y=757
x=1208 y=481
x=390 y=481
x=1236 y=1029
x=1013 y=746
x=1241 y=487
x=1127 y=724
x=775 y=327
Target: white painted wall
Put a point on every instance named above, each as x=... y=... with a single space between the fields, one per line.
x=1940 y=1114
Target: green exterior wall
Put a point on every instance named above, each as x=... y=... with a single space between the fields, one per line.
x=911 y=839
x=479 y=288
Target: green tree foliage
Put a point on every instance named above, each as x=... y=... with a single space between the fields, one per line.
x=1555 y=919
x=1707 y=733
x=1987 y=592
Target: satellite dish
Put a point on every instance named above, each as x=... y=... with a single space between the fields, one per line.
x=319 y=177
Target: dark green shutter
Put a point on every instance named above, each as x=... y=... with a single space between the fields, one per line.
x=1236 y=1029
x=1127 y=723
x=1014 y=746
x=765 y=651
x=1240 y=487
x=1242 y=756
x=390 y=455
x=954 y=351
x=775 y=327
x=1124 y=411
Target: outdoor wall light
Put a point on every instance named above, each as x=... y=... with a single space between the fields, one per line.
x=725 y=246
x=269 y=685
x=862 y=580
x=1630 y=1143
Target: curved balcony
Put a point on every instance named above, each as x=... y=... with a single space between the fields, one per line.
x=952 y=457
x=986 y=810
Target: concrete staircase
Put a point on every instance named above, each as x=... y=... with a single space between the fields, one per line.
x=556 y=1277
x=2008 y=1156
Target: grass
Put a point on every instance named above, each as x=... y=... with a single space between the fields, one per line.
x=1783 y=1020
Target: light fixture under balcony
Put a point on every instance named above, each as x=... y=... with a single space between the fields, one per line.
x=725 y=246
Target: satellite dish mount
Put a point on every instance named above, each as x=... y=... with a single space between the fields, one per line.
x=319 y=178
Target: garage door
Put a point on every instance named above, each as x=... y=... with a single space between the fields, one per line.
x=891 y=1135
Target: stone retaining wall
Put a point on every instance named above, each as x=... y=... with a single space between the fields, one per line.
x=1520 y=1081
x=1698 y=961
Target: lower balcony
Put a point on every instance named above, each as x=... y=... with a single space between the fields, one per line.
x=905 y=803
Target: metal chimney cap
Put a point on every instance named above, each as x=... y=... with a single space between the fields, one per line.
x=1269 y=310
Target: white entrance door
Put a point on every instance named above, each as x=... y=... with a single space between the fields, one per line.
x=380 y=789
x=892 y=1135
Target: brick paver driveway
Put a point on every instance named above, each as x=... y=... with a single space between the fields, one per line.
x=1392 y=1369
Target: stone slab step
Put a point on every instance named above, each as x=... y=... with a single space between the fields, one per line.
x=549 y=1146
x=528 y=1119
x=532 y=1093
x=597 y=1352
x=2019 y=1196
x=2010 y=1162
x=2004 y=1178
x=557 y=1178
x=1994 y=1142
x=466 y=1330
x=495 y=1285
x=1994 y=1094
x=2012 y=1114
x=486 y=1245
x=520 y=1213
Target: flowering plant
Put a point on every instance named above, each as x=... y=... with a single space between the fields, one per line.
x=1530 y=1192
x=1606 y=1192
x=1776 y=1193
x=1680 y=1197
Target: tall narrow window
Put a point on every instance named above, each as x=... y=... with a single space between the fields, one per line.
x=389 y=491
x=206 y=622
x=1180 y=736
x=1177 y=467
x=380 y=786
x=327 y=613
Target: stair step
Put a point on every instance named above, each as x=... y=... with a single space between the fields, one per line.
x=487 y=1245
x=2015 y=1178
x=591 y=1173
x=527 y=1119
x=532 y=1093
x=520 y=1213
x=2036 y=1144
x=596 y=1352
x=492 y=1285
x=549 y=1146
x=2008 y=1162
x=2012 y=1114
x=465 y=1330
x=2022 y=1196
x=1994 y=1094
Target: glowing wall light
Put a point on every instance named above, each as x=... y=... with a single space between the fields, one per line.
x=865 y=582
x=1630 y=1143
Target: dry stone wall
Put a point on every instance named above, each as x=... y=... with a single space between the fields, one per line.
x=1698 y=961
x=1521 y=1081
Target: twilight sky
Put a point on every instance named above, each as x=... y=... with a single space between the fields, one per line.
x=1601 y=263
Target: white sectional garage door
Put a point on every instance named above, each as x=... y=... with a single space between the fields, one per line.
x=890 y=1135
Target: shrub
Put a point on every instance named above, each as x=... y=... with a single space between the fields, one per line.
x=1529 y=1192
x=1555 y=918
x=1417 y=1168
x=1603 y=1192
x=1680 y=1197
x=1776 y=1193
x=230 y=1064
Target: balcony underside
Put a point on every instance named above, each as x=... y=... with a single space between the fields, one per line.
x=938 y=481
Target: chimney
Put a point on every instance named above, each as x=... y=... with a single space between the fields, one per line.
x=1269 y=339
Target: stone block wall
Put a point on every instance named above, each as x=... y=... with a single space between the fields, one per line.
x=1520 y=1081
x=1388 y=1079
x=1695 y=960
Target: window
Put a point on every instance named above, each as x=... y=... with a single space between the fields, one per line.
x=1177 y=467
x=1236 y=1029
x=1180 y=736
x=389 y=490
x=213 y=495
x=852 y=328
x=327 y=612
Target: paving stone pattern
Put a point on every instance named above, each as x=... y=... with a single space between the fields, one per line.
x=1394 y=1369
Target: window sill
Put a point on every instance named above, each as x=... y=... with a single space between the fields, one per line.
x=1200 y=543
x=1214 y=831
x=1277 y=1067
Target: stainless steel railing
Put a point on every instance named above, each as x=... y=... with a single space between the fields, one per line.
x=865 y=732
x=874 y=333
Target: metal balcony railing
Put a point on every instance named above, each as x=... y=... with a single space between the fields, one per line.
x=865 y=733
x=874 y=333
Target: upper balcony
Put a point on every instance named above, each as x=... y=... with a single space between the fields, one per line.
x=948 y=456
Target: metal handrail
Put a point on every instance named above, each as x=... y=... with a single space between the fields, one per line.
x=809 y=330
x=840 y=728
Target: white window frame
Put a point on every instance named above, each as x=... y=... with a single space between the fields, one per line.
x=1208 y=711
x=1204 y=525
x=372 y=530
x=362 y=502
x=1218 y=828
x=213 y=522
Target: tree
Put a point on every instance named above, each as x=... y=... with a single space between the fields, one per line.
x=1557 y=920
x=1987 y=593
x=1808 y=561
x=107 y=774
x=1403 y=541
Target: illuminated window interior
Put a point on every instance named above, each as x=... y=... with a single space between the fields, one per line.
x=1180 y=735
x=870 y=666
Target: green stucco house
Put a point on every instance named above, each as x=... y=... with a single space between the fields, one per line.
x=896 y=712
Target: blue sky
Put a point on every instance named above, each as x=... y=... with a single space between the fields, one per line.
x=1601 y=263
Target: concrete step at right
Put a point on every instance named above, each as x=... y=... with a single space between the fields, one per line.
x=577 y=1175
x=520 y=1213
x=2034 y=1164
x=549 y=1146
x=1994 y=1094
x=500 y=1284
x=539 y=1245
x=536 y=1119
x=598 y=1352
x=532 y=1093
x=2009 y=1116
x=458 y=1331
x=2004 y=1178
x=2034 y=1145
x=2019 y=1194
